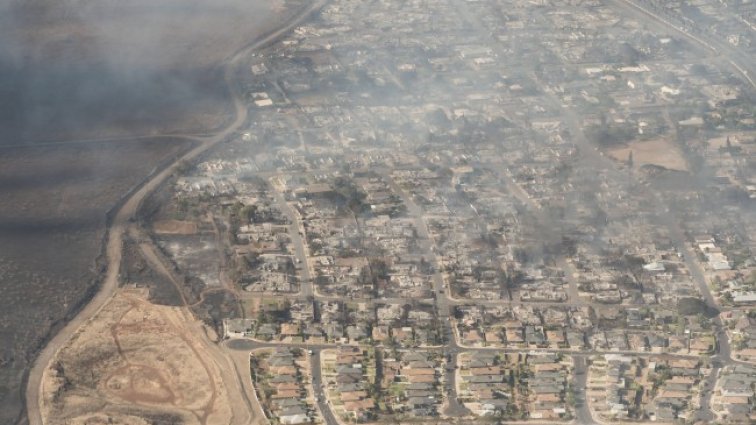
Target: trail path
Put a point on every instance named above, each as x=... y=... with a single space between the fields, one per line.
x=127 y=211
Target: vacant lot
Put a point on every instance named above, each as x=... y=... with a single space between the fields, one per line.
x=175 y=227
x=92 y=69
x=136 y=361
x=52 y=221
x=89 y=69
x=661 y=153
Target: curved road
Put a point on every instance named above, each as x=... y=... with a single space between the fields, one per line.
x=128 y=210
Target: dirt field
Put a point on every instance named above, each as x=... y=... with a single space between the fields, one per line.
x=654 y=152
x=736 y=140
x=136 y=360
x=52 y=221
x=77 y=69
x=99 y=68
x=175 y=227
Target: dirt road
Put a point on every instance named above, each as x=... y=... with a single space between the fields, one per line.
x=128 y=210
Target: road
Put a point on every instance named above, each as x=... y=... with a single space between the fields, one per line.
x=243 y=347
x=319 y=389
x=296 y=232
x=128 y=209
x=591 y=154
x=239 y=362
x=672 y=224
x=243 y=408
x=723 y=356
x=442 y=302
x=739 y=61
x=678 y=239
x=583 y=414
x=572 y=283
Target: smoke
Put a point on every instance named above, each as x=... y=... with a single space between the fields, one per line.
x=91 y=68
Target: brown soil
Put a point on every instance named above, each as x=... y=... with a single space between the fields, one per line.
x=175 y=227
x=52 y=223
x=661 y=153
x=86 y=69
x=138 y=355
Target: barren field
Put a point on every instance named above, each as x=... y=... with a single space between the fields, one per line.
x=661 y=153
x=134 y=362
x=95 y=69
x=100 y=68
x=175 y=227
x=52 y=221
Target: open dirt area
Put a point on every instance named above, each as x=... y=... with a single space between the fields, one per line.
x=52 y=223
x=136 y=361
x=175 y=227
x=102 y=68
x=96 y=70
x=661 y=153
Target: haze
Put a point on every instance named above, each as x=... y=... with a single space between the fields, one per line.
x=86 y=68
x=378 y=211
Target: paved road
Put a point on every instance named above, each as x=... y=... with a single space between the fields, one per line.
x=127 y=211
x=583 y=414
x=243 y=408
x=443 y=305
x=740 y=61
x=722 y=356
x=296 y=232
x=669 y=221
x=318 y=387
x=450 y=302
x=251 y=344
x=590 y=153
x=244 y=346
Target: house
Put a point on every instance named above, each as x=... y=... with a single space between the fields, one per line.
x=290 y=329
x=359 y=409
x=734 y=387
x=744 y=297
x=472 y=337
x=266 y=331
x=493 y=337
x=237 y=328
x=514 y=336
x=356 y=332
x=575 y=339
x=534 y=336
x=491 y=407
x=684 y=367
x=380 y=333
x=293 y=416
x=555 y=337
